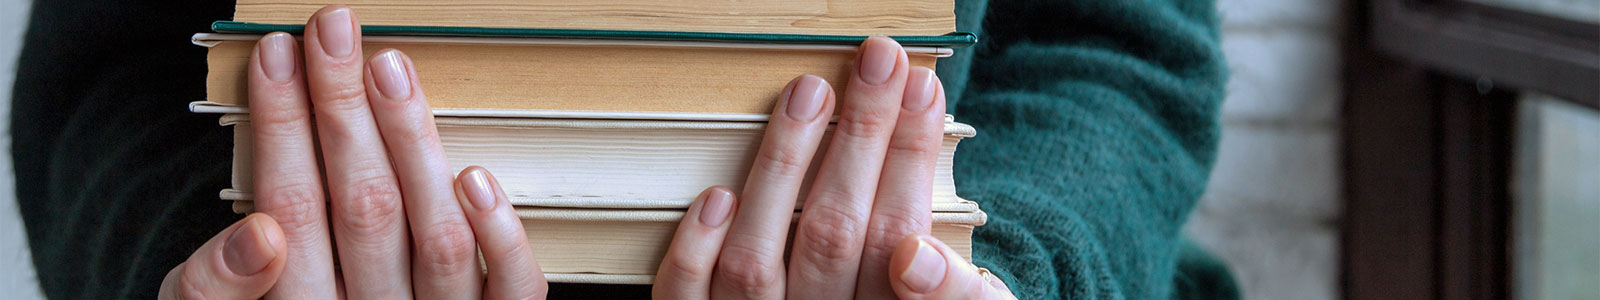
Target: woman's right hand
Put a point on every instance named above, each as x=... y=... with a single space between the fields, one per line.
x=403 y=226
x=863 y=230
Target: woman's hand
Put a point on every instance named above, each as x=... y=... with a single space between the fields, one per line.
x=862 y=232
x=402 y=225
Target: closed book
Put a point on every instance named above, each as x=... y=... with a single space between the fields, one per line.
x=586 y=74
x=626 y=246
x=855 y=17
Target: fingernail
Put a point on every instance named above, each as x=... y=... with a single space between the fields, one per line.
x=478 y=190
x=805 y=101
x=335 y=33
x=248 y=251
x=391 y=75
x=926 y=270
x=919 y=89
x=878 y=56
x=718 y=203
x=277 y=56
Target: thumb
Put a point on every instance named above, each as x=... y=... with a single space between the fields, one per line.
x=925 y=268
x=241 y=262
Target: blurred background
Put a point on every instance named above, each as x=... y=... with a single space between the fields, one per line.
x=17 y=278
x=1400 y=149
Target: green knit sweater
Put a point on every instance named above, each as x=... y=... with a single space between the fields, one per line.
x=1097 y=128
x=1096 y=118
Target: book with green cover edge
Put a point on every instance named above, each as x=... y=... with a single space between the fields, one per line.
x=956 y=39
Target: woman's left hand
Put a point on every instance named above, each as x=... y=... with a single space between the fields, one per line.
x=862 y=232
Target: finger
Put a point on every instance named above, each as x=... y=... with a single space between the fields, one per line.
x=368 y=222
x=750 y=264
x=445 y=264
x=287 y=183
x=241 y=262
x=999 y=286
x=926 y=268
x=513 y=271
x=905 y=191
x=833 y=223
x=685 y=272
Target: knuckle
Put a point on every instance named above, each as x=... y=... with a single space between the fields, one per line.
x=281 y=122
x=864 y=124
x=519 y=254
x=451 y=251
x=295 y=208
x=342 y=97
x=786 y=162
x=278 y=91
x=413 y=133
x=746 y=270
x=914 y=146
x=685 y=269
x=896 y=226
x=190 y=284
x=373 y=206
x=887 y=231
x=839 y=195
x=829 y=235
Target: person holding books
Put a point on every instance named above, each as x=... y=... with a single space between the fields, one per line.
x=1099 y=119
x=385 y=169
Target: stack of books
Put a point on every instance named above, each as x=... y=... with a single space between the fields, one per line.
x=604 y=119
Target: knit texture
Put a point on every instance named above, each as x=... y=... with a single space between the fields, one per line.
x=1097 y=128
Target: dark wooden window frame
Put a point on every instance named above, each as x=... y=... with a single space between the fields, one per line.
x=1431 y=89
x=1517 y=50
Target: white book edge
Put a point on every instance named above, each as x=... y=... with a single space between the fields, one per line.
x=974 y=217
x=574 y=119
x=959 y=206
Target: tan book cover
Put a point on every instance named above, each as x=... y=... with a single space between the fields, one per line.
x=582 y=75
x=843 y=17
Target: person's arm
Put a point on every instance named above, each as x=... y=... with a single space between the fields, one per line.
x=1097 y=124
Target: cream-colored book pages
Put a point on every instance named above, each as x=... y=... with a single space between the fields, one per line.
x=632 y=242
x=585 y=163
x=208 y=107
x=852 y=17
x=243 y=155
x=584 y=77
x=599 y=278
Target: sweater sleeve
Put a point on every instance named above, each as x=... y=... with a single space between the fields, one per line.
x=1097 y=124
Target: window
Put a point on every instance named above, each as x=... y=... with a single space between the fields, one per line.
x=1464 y=169
x=1556 y=193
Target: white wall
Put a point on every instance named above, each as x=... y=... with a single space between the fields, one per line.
x=1272 y=208
x=17 y=280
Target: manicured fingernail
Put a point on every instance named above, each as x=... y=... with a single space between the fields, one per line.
x=926 y=270
x=919 y=89
x=392 y=76
x=878 y=56
x=718 y=203
x=805 y=101
x=277 y=56
x=335 y=33
x=478 y=189
x=248 y=250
